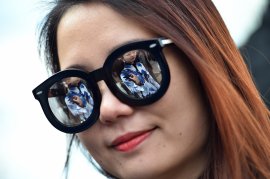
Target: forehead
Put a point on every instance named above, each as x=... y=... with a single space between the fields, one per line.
x=87 y=33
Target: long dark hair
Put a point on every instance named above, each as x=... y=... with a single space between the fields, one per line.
x=240 y=133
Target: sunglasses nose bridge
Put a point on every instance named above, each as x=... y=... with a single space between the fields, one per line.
x=97 y=75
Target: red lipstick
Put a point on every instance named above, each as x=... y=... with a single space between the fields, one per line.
x=129 y=141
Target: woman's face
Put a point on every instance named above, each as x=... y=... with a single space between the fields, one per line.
x=130 y=56
x=166 y=139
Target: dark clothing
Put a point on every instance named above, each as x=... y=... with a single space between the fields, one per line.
x=256 y=52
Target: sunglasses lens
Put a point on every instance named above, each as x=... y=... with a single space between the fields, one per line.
x=137 y=74
x=71 y=101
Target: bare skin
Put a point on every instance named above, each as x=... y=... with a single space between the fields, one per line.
x=135 y=79
x=130 y=56
x=173 y=131
x=77 y=100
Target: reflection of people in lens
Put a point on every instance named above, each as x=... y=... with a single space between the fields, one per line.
x=79 y=101
x=136 y=77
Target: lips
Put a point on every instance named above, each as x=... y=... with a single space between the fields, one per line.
x=129 y=141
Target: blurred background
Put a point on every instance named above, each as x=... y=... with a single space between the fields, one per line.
x=30 y=148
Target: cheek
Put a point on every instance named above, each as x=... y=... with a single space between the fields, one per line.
x=184 y=88
x=184 y=103
x=91 y=141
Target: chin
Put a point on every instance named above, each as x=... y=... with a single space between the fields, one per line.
x=138 y=174
x=140 y=171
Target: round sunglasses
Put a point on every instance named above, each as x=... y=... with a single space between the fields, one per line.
x=136 y=73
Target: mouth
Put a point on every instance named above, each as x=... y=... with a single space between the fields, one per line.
x=130 y=141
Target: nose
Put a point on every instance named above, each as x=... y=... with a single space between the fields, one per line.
x=111 y=109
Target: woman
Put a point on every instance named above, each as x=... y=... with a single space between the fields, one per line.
x=207 y=119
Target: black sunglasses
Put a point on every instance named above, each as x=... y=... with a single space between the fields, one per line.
x=136 y=73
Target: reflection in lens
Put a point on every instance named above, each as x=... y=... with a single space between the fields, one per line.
x=137 y=74
x=71 y=101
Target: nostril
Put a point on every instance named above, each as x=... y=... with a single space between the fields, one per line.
x=105 y=120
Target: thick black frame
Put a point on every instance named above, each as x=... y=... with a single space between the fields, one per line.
x=154 y=46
